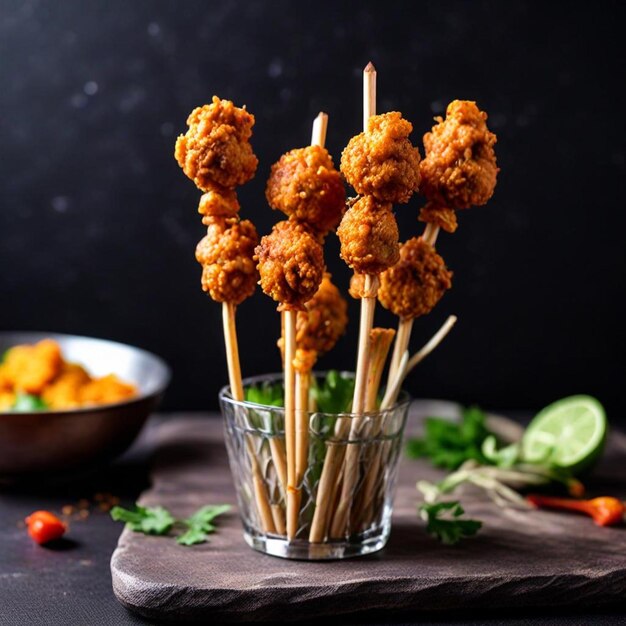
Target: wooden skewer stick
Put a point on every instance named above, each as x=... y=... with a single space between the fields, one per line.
x=303 y=379
x=405 y=366
x=303 y=384
x=431 y=231
x=327 y=487
x=391 y=396
x=403 y=336
x=380 y=342
x=368 y=306
x=320 y=125
x=290 y=421
x=296 y=393
x=236 y=388
x=232 y=350
x=277 y=446
x=369 y=93
x=392 y=392
x=381 y=339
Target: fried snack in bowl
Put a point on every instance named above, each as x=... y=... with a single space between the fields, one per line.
x=96 y=397
x=40 y=372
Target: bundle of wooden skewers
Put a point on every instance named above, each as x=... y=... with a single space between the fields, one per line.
x=383 y=167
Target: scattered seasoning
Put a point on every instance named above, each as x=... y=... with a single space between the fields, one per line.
x=81 y=510
x=44 y=526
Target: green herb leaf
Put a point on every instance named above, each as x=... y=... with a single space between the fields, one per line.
x=26 y=403
x=334 y=393
x=504 y=457
x=443 y=522
x=268 y=394
x=191 y=537
x=203 y=517
x=149 y=520
x=199 y=524
x=449 y=444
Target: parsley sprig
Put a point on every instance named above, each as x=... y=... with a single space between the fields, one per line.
x=444 y=520
x=157 y=520
x=332 y=394
x=150 y=520
x=199 y=525
x=449 y=444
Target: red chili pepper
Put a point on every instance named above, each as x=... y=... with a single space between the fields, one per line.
x=605 y=511
x=43 y=527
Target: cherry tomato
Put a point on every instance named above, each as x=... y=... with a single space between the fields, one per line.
x=43 y=527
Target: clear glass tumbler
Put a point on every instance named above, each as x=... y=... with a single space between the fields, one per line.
x=348 y=469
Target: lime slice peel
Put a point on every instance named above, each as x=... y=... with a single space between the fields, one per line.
x=569 y=433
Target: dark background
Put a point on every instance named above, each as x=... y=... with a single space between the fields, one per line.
x=98 y=225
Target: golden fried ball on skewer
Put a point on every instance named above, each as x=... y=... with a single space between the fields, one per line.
x=320 y=325
x=369 y=236
x=227 y=257
x=290 y=263
x=381 y=161
x=218 y=202
x=441 y=216
x=324 y=319
x=414 y=285
x=459 y=169
x=357 y=286
x=216 y=147
x=305 y=185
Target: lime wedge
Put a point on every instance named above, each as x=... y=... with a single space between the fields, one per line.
x=569 y=433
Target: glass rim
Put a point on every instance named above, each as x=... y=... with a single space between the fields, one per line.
x=224 y=395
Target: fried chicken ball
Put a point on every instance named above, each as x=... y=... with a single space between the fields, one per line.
x=305 y=185
x=7 y=400
x=440 y=216
x=414 y=285
x=106 y=390
x=31 y=368
x=324 y=319
x=357 y=285
x=369 y=236
x=218 y=202
x=290 y=263
x=381 y=161
x=216 y=147
x=64 y=391
x=319 y=325
x=6 y=384
x=459 y=169
x=304 y=361
x=227 y=258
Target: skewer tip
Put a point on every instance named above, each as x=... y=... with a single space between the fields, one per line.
x=318 y=134
x=369 y=67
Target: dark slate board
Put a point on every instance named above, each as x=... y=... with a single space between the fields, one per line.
x=519 y=559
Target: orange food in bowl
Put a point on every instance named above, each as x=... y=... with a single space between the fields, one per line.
x=39 y=370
